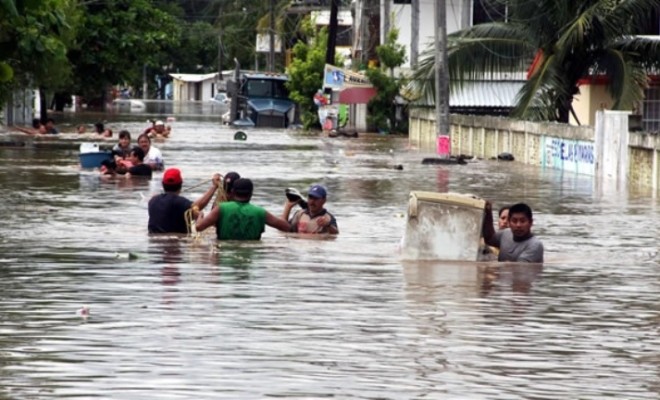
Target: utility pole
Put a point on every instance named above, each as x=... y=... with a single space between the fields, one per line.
x=271 y=53
x=220 y=47
x=145 y=85
x=386 y=17
x=332 y=33
x=414 y=29
x=443 y=146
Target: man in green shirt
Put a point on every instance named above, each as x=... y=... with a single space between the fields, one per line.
x=238 y=219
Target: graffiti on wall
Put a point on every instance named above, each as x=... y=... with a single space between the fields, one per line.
x=569 y=155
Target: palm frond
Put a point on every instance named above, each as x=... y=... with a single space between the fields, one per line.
x=536 y=99
x=574 y=34
x=644 y=50
x=10 y=7
x=627 y=79
x=632 y=16
x=481 y=51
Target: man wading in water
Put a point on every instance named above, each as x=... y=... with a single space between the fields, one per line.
x=167 y=211
x=314 y=218
x=517 y=243
x=237 y=219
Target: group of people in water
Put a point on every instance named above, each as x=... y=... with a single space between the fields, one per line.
x=236 y=218
x=157 y=129
x=133 y=161
x=232 y=213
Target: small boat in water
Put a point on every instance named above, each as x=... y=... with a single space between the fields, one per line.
x=91 y=156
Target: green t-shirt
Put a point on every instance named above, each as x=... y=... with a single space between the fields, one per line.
x=240 y=221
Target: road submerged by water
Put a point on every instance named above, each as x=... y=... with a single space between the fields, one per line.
x=296 y=318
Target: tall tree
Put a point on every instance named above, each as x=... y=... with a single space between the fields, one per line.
x=34 y=36
x=117 y=39
x=559 y=42
x=306 y=73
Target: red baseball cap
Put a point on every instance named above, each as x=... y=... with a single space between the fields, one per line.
x=172 y=176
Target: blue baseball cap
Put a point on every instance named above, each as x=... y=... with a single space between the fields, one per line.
x=317 y=191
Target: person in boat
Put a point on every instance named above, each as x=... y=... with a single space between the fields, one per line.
x=167 y=211
x=313 y=219
x=158 y=129
x=516 y=243
x=152 y=156
x=238 y=219
x=227 y=193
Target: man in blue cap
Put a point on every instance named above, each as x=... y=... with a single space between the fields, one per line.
x=313 y=219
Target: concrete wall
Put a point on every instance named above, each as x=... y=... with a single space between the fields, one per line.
x=601 y=151
x=19 y=108
x=591 y=99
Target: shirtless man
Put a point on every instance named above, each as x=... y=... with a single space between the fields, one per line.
x=158 y=130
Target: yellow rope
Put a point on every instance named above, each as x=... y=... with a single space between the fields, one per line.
x=189 y=215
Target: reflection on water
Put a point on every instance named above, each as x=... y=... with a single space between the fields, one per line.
x=182 y=318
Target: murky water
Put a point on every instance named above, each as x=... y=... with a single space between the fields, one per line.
x=296 y=318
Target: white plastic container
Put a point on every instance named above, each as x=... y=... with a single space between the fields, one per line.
x=443 y=226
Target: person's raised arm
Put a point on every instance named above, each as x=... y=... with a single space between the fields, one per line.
x=25 y=130
x=277 y=223
x=487 y=229
x=288 y=205
x=206 y=197
x=208 y=220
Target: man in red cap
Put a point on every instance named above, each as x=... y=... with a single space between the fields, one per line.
x=167 y=210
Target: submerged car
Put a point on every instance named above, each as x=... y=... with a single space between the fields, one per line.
x=221 y=97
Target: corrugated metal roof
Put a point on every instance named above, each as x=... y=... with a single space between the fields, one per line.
x=194 y=77
x=496 y=94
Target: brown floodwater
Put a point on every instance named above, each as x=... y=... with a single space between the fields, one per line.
x=288 y=317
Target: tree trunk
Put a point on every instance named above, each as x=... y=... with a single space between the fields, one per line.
x=43 y=115
x=332 y=33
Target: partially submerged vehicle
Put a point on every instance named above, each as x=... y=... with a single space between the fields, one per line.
x=260 y=99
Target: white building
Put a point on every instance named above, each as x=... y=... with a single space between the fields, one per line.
x=194 y=87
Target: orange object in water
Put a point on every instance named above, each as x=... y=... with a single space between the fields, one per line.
x=328 y=124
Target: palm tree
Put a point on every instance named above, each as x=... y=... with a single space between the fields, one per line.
x=559 y=43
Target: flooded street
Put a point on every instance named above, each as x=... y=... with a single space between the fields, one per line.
x=295 y=318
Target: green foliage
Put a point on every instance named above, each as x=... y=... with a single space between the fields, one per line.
x=306 y=75
x=196 y=52
x=34 y=37
x=382 y=107
x=570 y=40
x=117 y=38
x=391 y=54
x=239 y=22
